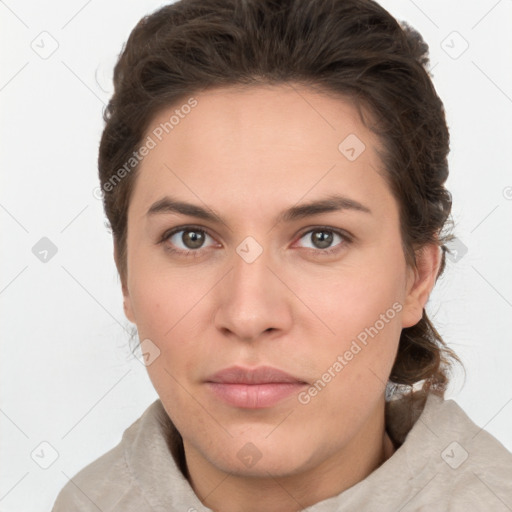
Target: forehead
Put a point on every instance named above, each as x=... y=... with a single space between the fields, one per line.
x=263 y=144
x=278 y=116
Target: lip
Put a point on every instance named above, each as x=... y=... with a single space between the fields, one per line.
x=253 y=388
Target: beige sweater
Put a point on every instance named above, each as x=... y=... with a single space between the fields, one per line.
x=445 y=463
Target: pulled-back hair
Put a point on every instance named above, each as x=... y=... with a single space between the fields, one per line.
x=350 y=48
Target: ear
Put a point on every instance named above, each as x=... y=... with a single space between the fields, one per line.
x=420 y=282
x=127 y=304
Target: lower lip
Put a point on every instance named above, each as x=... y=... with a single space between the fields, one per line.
x=255 y=396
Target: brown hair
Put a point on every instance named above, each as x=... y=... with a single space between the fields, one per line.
x=349 y=48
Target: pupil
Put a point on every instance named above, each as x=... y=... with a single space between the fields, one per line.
x=193 y=239
x=323 y=239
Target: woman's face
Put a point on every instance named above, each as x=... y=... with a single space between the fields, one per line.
x=253 y=276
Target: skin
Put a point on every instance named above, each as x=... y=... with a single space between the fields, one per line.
x=248 y=154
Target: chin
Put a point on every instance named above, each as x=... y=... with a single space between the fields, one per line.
x=264 y=465
x=257 y=456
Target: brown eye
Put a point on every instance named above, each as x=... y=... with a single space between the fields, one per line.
x=324 y=240
x=192 y=239
x=187 y=239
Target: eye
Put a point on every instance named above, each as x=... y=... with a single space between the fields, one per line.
x=321 y=240
x=186 y=239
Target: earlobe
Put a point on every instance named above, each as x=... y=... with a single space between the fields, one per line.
x=420 y=283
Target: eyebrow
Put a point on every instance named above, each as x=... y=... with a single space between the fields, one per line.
x=331 y=203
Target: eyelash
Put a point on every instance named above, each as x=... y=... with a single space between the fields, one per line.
x=346 y=239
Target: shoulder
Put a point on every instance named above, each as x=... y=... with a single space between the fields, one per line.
x=455 y=462
x=141 y=473
x=479 y=466
x=108 y=482
x=98 y=486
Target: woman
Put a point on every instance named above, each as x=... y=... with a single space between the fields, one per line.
x=273 y=173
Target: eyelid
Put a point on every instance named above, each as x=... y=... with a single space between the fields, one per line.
x=341 y=232
x=346 y=237
x=187 y=227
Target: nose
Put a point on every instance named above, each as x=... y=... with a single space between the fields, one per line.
x=252 y=300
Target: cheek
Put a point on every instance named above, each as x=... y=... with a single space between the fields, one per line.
x=360 y=308
x=353 y=364
x=366 y=330
x=162 y=298
x=350 y=300
x=168 y=305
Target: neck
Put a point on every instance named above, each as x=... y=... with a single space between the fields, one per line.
x=230 y=492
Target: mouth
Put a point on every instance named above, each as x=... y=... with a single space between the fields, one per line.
x=256 y=388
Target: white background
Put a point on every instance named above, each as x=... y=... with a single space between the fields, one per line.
x=68 y=377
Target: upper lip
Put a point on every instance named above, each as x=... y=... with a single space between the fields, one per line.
x=259 y=375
